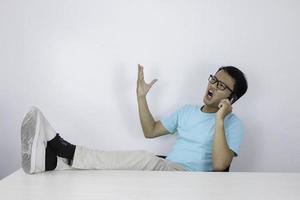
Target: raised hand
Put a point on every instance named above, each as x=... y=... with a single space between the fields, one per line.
x=142 y=87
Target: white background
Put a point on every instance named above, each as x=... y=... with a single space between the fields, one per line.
x=77 y=61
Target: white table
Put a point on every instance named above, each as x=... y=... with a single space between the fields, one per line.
x=154 y=185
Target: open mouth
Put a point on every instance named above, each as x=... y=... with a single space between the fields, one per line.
x=210 y=94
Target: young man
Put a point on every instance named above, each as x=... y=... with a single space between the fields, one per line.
x=208 y=137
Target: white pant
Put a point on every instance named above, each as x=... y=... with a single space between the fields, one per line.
x=85 y=158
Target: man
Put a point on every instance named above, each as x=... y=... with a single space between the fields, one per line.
x=208 y=137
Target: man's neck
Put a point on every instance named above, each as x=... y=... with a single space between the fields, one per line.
x=208 y=109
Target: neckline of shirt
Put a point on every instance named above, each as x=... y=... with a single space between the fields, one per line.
x=205 y=113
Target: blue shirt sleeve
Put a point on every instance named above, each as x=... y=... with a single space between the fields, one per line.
x=170 y=122
x=234 y=134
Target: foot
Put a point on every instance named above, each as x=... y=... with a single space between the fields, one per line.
x=36 y=157
x=62 y=148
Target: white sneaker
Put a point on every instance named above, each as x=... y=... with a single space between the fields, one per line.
x=34 y=133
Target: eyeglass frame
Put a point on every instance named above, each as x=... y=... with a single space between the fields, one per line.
x=218 y=81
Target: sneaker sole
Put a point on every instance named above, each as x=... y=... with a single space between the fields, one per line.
x=29 y=138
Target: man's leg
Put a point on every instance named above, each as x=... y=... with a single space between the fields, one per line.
x=43 y=150
x=85 y=158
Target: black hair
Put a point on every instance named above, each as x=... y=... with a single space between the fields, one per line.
x=241 y=85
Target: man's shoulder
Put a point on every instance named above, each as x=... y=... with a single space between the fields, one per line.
x=233 y=119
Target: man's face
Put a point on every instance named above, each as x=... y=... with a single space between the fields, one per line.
x=214 y=95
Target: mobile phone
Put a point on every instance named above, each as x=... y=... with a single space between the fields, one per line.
x=232 y=98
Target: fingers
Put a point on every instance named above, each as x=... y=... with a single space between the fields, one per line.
x=140 y=72
x=227 y=100
x=220 y=104
x=224 y=101
x=141 y=75
x=141 y=67
x=152 y=82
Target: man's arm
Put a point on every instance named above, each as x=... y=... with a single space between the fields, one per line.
x=151 y=128
x=221 y=155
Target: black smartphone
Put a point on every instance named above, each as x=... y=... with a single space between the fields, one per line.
x=232 y=98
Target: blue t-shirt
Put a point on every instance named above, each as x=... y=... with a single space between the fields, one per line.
x=195 y=133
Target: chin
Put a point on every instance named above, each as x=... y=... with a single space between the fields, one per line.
x=209 y=103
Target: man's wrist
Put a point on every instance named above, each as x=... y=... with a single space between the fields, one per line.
x=219 y=120
x=142 y=98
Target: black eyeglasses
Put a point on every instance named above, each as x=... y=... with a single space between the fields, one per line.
x=220 y=85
